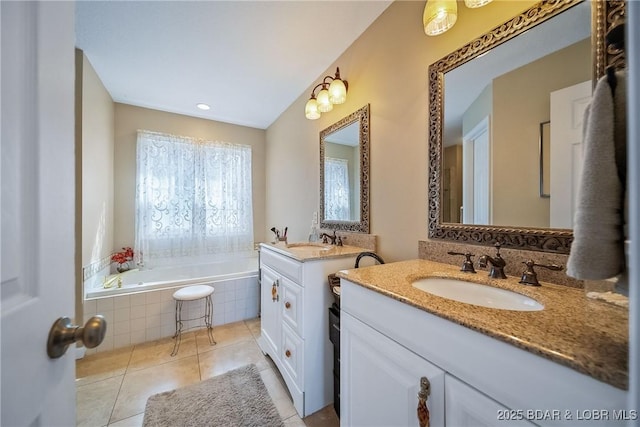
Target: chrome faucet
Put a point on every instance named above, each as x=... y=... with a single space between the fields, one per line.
x=530 y=277
x=497 y=264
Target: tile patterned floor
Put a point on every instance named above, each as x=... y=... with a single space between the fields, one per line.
x=113 y=387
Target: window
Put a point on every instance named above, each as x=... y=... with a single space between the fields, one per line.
x=193 y=197
x=336 y=188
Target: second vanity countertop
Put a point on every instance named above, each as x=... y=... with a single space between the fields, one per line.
x=313 y=251
x=584 y=334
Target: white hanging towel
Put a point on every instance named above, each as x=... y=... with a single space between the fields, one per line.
x=597 y=251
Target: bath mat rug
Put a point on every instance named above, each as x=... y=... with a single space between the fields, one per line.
x=236 y=398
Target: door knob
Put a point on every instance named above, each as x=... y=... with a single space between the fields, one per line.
x=63 y=333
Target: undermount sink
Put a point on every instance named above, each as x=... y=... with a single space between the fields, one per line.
x=474 y=293
x=309 y=245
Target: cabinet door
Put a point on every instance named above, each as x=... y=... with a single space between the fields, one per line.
x=292 y=355
x=467 y=407
x=270 y=310
x=380 y=379
x=291 y=302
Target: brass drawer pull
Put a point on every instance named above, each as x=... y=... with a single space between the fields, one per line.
x=287 y=304
x=287 y=353
x=423 y=395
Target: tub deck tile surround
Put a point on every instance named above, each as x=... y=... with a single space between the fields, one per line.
x=98 y=267
x=148 y=316
x=583 y=334
x=169 y=276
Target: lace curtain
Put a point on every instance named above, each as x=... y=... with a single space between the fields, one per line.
x=336 y=189
x=193 y=198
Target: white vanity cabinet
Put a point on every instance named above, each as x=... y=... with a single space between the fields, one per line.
x=476 y=380
x=295 y=298
x=381 y=379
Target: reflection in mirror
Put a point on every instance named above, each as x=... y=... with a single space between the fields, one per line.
x=344 y=173
x=544 y=157
x=492 y=114
x=487 y=100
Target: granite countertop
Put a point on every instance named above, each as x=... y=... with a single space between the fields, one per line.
x=303 y=251
x=587 y=335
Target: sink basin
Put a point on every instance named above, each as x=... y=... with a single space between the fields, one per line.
x=474 y=293
x=310 y=245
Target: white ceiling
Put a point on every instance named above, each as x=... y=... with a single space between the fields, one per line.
x=348 y=135
x=249 y=60
x=465 y=83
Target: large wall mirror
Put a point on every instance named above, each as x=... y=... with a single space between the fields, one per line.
x=344 y=173
x=488 y=102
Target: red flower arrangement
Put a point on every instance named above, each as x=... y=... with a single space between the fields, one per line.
x=122 y=257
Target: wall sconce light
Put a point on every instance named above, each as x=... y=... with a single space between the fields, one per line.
x=472 y=4
x=440 y=15
x=333 y=91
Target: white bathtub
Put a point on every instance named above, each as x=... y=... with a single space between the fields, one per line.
x=143 y=309
x=135 y=281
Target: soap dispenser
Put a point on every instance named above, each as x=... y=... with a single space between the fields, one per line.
x=313 y=234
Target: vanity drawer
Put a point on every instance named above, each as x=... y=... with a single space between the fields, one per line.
x=292 y=354
x=282 y=264
x=292 y=297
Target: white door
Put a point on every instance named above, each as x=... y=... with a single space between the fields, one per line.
x=37 y=210
x=476 y=184
x=380 y=379
x=567 y=114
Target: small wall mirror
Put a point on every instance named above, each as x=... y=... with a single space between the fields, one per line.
x=493 y=103
x=344 y=173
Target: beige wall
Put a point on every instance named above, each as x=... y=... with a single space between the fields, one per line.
x=480 y=108
x=128 y=119
x=387 y=68
x=520 y=104
x=97 y=167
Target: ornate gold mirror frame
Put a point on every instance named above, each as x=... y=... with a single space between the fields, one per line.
x=361 y=117
x=605 y=14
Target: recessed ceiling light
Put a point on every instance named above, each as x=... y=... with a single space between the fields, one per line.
x=203 y=106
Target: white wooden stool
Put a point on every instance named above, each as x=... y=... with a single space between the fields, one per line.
x=192 y=293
